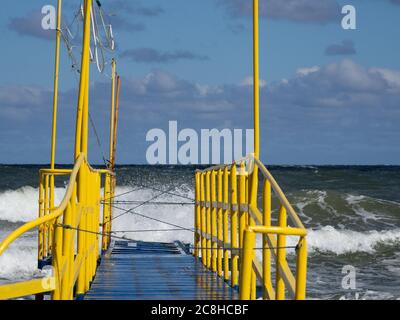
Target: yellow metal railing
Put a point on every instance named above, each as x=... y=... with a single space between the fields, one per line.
x=68 y=234
x=227 y=221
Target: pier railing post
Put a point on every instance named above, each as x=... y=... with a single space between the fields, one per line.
x=219 y=223
x=234 y=228
x=266 y=248
x=242 y=203
x=197 y=217
x=213 y=222
x=106 y=217
x=281 y=256
x=226 y=223
x=301 y=272
x=203 y=222
x=208 y=218
x=249 y=239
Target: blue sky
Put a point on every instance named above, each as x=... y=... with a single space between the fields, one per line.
x=330 y=96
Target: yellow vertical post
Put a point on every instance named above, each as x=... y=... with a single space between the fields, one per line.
x=256 y=110
x=256 y=80
x=203 y=222
x=226 y=221
x=106 y=200
x=109 y=181
x=266 y=249
x=213 y=222
x=66 y=281
x=281 y=256
x=219 y=222
x=234 y=226
x=196 y=239
x=89 y=235
x=85 y=119
x=55 y=93
x=41 y=214
x=47 y=238
x=82 y=236
x=242 y=202
x=112 y=111
x=249 y=186
x=97 y=219
x=208 y=218
x=57 y=262
x=83 y=77
x=81 y=130
x=55 y=101
x=95 y=222
x=110 y=211
x=249 y=240
x=301 y=273
x=115 y=122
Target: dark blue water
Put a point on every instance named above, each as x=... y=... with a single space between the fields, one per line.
x=352 y=213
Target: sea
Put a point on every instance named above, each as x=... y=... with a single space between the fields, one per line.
x=352 y=214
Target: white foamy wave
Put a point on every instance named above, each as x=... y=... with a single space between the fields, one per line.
x=329 y=239
x=356 y=203
x=158 y=216
x=19 y=261
x=21 y=205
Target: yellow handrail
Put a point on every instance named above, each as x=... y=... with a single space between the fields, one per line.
x=236 y=194
x=47 y=218
x=68 y=235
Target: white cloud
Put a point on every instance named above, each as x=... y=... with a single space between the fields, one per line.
x=317 y=112
x=249 y=81
x=307 y=71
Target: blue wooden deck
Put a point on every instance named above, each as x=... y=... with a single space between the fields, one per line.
x=138 y=270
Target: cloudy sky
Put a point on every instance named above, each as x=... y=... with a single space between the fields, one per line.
x=328 y=95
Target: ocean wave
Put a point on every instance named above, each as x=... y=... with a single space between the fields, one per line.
x=318 y=208
x=157 y=216
x=21 y=205
x=19 y=261
x=329 y=239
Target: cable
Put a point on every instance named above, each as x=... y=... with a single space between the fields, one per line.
x=231 y=249
x=154 y=203
x=150 y=218
x=100 y=43
x=139 y=205
x=119 y=195
x=171 y=193
x=98 y=140
x=66 y=226
x=148 y=230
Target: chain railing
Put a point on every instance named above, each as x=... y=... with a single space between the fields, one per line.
x=68 y=236
x=227 y=221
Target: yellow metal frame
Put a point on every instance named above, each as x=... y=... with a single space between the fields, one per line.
x=68 y=235
x=73 y=228
x=241 y=220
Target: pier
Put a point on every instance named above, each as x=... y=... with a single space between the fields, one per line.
x=136 y=270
